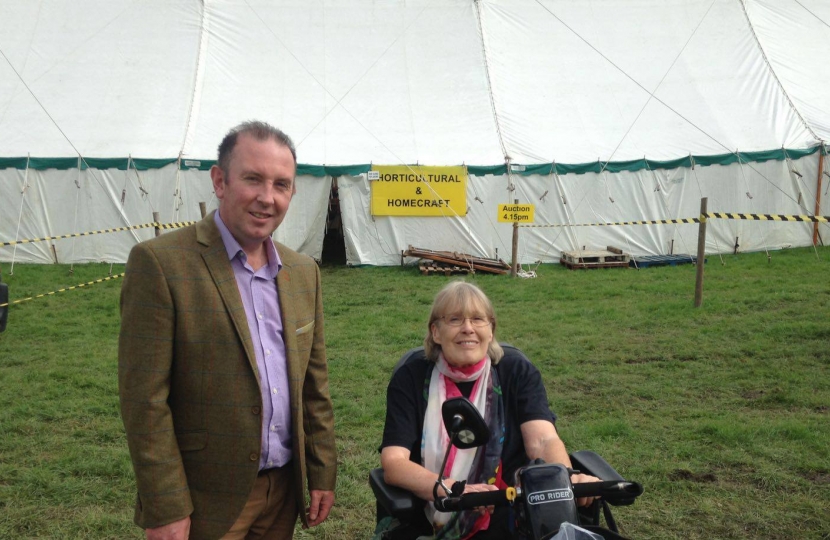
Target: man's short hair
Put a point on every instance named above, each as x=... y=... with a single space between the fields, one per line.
x=261 y=131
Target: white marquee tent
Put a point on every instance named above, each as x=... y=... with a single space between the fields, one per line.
x=594 y=111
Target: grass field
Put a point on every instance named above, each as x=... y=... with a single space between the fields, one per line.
x=721 y=412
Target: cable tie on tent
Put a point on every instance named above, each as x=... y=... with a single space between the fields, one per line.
x=479 y=200
x=749 y=195
x=611 y=199
x=542 y=198
x=795 y=172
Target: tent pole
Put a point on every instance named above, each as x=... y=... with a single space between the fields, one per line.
x=20 y=214
x=701 y=253
x=818 y=193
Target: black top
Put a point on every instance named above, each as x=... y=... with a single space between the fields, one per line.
x=524 y=398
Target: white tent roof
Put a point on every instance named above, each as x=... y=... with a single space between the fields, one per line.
x=643 y=107
x=426 y=81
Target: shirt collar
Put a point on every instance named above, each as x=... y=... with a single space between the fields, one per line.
x=234 y=250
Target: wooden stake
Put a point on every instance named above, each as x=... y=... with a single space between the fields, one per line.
x=701 y=253
x=514 y=265
x=818 y=193
x=156 y=220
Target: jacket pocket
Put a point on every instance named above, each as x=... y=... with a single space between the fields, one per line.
x=304 y=329
x=192 y=440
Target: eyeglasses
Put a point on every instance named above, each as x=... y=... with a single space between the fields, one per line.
x=456 y=320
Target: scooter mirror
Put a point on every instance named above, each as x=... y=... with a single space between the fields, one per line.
x=465 y=426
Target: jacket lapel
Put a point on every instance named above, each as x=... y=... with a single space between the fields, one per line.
x=289 y=325
x=217 y=263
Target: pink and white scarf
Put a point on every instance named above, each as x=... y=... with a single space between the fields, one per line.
x=435 y=438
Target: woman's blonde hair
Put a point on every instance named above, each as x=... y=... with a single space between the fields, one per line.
x=464 y=298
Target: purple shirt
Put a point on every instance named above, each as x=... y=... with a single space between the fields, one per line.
x=258 y=290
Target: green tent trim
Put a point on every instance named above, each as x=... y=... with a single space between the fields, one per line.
x=140 y=164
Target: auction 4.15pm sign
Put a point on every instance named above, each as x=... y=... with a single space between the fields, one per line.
x=401 y=190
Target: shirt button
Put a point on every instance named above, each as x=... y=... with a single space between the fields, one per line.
x=254 y=457
x=268 y=352
x=255 y=410
x=274 y=390
x=270 y=463
x=273 y=428
x=259 y=316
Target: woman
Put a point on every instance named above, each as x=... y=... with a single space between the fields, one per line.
x=462 y=357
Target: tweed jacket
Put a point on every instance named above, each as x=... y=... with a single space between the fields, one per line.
x=189 y=384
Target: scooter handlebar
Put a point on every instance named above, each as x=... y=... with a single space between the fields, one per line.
x=611 y=491
x=469 y=501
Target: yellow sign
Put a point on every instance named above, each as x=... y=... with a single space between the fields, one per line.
x=400 y=190
x=516 y=213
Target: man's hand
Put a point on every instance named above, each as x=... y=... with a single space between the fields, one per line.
x=319 y=507
x=178 y=530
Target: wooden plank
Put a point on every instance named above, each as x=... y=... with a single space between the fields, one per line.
x=459 y=258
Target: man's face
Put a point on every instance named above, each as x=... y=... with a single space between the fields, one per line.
x=255 y=192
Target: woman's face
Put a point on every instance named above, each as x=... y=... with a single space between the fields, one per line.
x=465 y=344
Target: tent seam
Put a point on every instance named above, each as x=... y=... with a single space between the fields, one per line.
x=489 y=81
x=196 y=78
x=774 y=74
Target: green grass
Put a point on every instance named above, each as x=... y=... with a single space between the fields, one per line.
x=721 y=412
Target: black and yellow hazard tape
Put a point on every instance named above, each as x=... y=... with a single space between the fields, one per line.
x=87 y=284
x=102 y=231
x=703 y=217
x=644 y=222
x=767 y=217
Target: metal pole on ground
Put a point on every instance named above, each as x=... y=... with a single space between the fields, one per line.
x=156 y=220
x=701 y=253
x=514 y=264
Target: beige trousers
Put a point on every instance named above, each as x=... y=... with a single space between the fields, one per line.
x=271 y=511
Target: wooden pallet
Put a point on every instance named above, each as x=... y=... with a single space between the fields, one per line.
x=443 y=269
x=464 y=262
x=583 y=259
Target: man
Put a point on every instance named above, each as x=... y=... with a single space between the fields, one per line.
x=221 y=362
